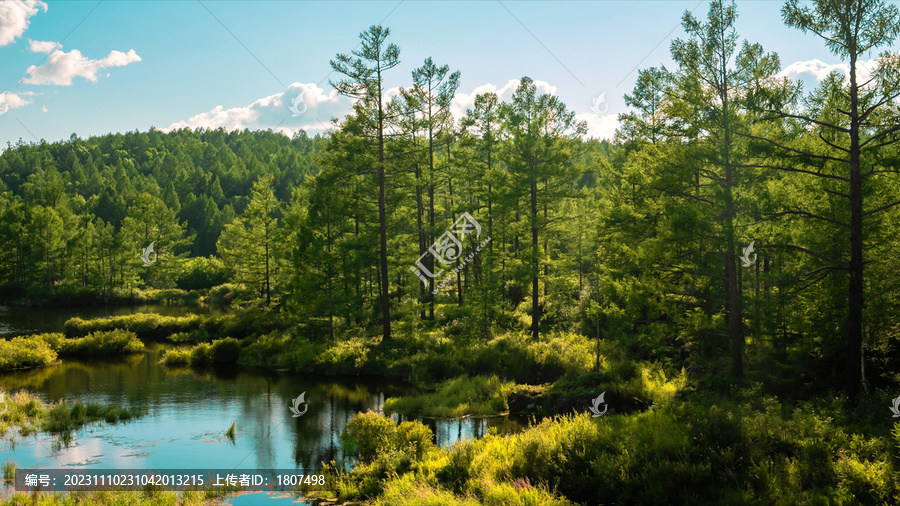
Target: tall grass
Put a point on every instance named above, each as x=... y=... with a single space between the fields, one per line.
x=147 y=326
x=43 y=349
x=24 y=353
x=704 y=451
x=457 y=397
x=27 y=412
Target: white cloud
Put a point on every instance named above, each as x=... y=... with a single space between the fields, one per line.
x=44 y=108
x=39 y=46
x=15 y=100
x=463 y=101
x=274 y=112
x=820 y=70
x=599 y=126
x=14 y=16
x=61 y=67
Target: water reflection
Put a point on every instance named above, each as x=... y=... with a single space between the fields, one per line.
x=188 y=412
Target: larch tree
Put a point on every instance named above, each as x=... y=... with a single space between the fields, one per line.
x=852 y=122
x=364 y=70
x=541 y=146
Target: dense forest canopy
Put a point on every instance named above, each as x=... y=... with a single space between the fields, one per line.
x=646 y=240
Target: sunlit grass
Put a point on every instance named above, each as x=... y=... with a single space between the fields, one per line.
x=457 y=397
x=29 y=414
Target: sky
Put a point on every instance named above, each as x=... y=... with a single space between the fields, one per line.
x=94 y=67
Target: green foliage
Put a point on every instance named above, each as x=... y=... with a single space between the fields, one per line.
x=457 y=397
x=147 y=326
x=25 y=352
x=200 y=354
x=202 y=272
x=369 y=434
x=105 y=498
x=225 y=351
x=111 y=342
x=26 y=411
x=758 y=452
x=175 y=357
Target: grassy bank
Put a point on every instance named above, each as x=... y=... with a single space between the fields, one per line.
x=26 y=412
x=698 y=451
x=457 y=397
x=43 y=349
x=181 y=329
x=76 y=296
x=155 y=498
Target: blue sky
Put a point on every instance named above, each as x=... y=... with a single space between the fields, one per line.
x=126 y=65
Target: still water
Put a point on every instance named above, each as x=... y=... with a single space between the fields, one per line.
x=188 y=411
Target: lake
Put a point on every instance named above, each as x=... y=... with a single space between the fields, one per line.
x=188 y=410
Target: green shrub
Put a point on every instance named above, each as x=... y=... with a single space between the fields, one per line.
x=457 y=397
x=193 y=336
x=200 y=354
x=147 y=326
x=175 y=357
x=112 y=342
x=25 y=352
x=202 y=272
x=227 y=293
x=369 y=434
x=225 y=351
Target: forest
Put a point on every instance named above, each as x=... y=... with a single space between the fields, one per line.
x=723 y=269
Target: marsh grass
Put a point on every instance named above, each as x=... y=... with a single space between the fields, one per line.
x=456 y=397
x=27 y=412
x=39 y=350
x=9 y=471
x=147 y=326
x=118 y=498
x=230 y=432
x=96 y=344
x=754 y=451
x=25 y=353
x=176 y=357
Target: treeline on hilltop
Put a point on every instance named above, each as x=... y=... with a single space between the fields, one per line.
x=646 y=241
x=77 y=214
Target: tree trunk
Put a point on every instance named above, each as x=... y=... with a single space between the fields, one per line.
x=855 y=319
x=535 y=304
x=382 y=225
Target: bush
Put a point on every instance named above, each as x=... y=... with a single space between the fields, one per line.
x=200 y=354
x=225 y=294
x=113 y=342
x=457 y=397
x=369 y=434
x=225 y=351
x=147 y=326
x=25 y=352
x=175 y=357
x=202 y=272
